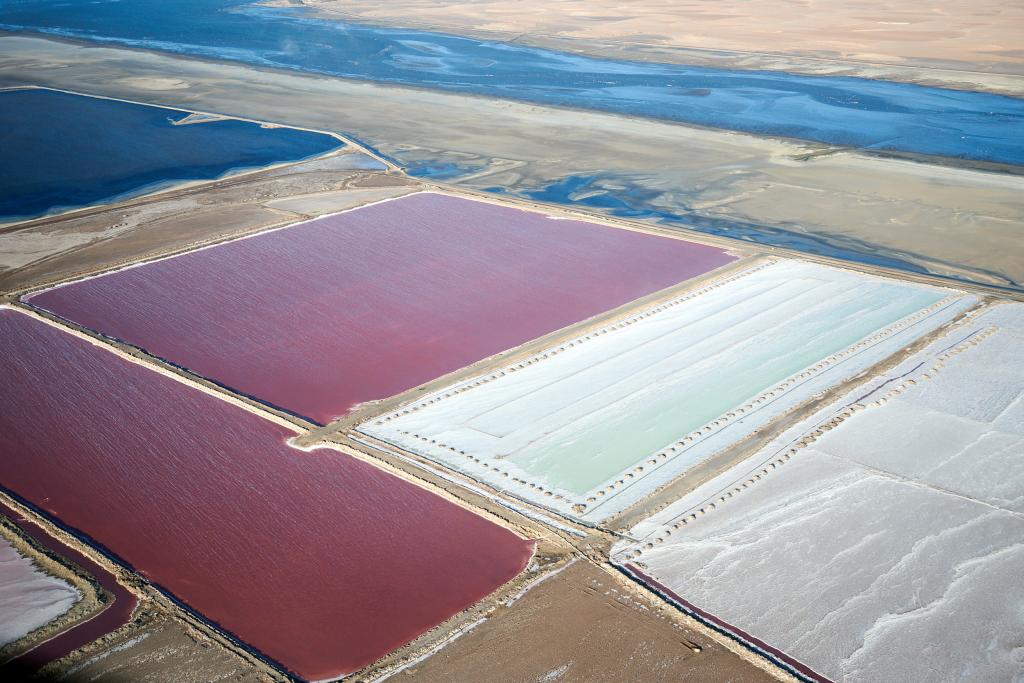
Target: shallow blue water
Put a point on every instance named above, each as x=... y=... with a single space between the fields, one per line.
x=60 y=151
x=844 y=111
x=617 y=195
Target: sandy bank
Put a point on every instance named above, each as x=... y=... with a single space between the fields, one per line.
x=951 y=41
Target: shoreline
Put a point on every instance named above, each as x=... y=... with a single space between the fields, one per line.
x=162 y=187
x=943 y=74
x=752 y=131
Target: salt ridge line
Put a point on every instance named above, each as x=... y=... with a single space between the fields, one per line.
x=854 y=485
x=429 y=653
x=811 y=434
x=618 y=483
x=522 y=509
x=472 y=383
x=615 y=487
x=534 y=486
x=131 y=642
x=777 y=391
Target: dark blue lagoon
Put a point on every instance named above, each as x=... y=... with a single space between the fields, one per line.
x=60 y=151
x=844 y=111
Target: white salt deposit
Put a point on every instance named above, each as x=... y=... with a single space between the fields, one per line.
x=593 y=425
x=882 y=538
x=29 y=598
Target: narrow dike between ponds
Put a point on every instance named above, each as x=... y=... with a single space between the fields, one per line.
x=112 y=616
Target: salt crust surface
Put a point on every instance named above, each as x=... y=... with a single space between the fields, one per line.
x=600 y=422
x=29 y=598
x=890 y=546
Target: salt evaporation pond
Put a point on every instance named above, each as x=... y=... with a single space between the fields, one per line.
x=29 y=597
x=324 y=315
x=318 y=560
x=903 y=517
x=62 y=151
x=846 y=111
x=592 y=425
x=115 y=614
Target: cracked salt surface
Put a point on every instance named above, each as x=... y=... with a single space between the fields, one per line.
x=889 y=545
x=591 y=426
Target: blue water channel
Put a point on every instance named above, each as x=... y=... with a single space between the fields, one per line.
x=837 y=110
x=62 y=151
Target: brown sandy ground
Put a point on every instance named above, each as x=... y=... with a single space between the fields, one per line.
x=93 y=597
x=158 y=648
x=952 y=221
x=46 y=249
x=980 y=37
x=580 y=625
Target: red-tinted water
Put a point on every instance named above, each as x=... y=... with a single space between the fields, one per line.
x=114 y=615
x=320 y=561
x=363 y=305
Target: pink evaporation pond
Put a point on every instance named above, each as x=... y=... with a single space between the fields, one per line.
x=318 y=560
x=322 y=316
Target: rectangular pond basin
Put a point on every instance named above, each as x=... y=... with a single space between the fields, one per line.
x=319 y=317
x=321 y=562
x=888 y=522
x=592 y=425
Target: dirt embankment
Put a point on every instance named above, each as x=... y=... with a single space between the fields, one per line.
x=62 y=247
x=93 y=598
x=581 y=625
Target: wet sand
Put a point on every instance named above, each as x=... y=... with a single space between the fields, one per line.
x=956 y=222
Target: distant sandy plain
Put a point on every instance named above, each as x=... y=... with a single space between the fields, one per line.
x=982 y=36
